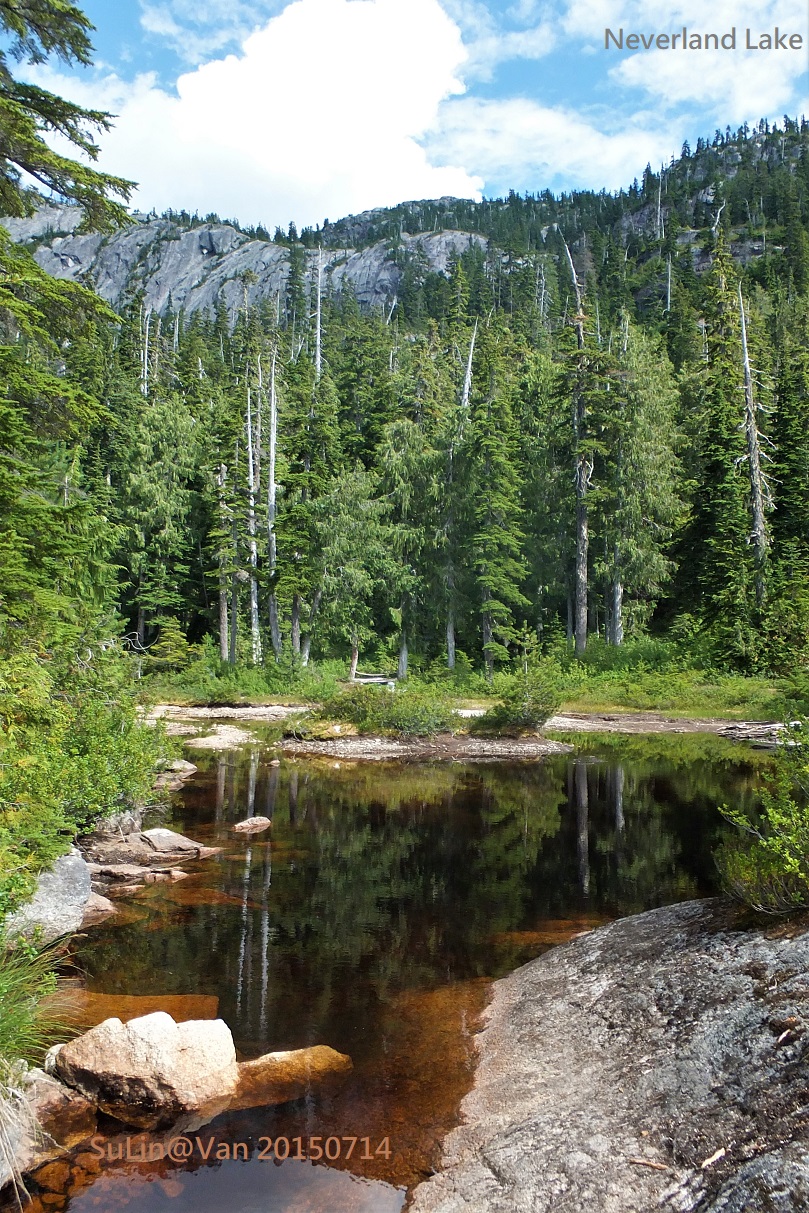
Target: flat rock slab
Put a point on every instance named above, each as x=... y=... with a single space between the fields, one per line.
x=443 y=747
x=161 y=839
x=656 y=1063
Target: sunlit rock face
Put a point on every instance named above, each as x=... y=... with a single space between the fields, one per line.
x=150 y=1071
x=199 y=267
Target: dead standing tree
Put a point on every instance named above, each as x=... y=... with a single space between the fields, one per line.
x=582 y=468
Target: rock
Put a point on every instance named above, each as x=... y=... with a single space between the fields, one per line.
x=55 y=1119
x=118 y=825
x=639 y=1067
x=150 y=1071
x=181 y=767
x=58 y=905
x=278 y=1078
x=161 y=839
x=193 y=268
x=252 y=825
x=117 y=871
x=224 y=737
x=53 y=1176
x=98 y=909
x=128 y=850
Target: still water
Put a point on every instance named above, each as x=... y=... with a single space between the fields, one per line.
x=372 y=918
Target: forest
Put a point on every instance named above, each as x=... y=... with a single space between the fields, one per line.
x=596 y=426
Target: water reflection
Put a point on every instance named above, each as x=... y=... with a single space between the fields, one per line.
x=372 y=914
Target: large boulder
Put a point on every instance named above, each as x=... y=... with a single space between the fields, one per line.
x=58 y=905
x=151 y=1071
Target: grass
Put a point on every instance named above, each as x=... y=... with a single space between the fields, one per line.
x=643 y=675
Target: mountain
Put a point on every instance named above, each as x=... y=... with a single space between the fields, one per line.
x=179 y=261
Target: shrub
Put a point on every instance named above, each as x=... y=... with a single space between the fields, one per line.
x=414 y=710
x=528 y=699
x=766 y=865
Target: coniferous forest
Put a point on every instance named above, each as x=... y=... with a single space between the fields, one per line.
x=590 y=430
x=596 y=425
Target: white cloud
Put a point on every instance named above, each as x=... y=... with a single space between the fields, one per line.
x=318 y=116
x=732 y=86
x=517 y=143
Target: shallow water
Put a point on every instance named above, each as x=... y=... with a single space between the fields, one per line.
x=372 y=918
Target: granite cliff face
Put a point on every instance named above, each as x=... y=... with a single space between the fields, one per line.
x=195 y=267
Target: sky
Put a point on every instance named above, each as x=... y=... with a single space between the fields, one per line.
x=269 y=112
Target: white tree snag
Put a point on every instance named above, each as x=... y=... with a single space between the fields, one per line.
x=221 y=479
x=272 y=498
x=467 y=379
x=255 y=633
x=758 y=537
x=318 y=314
x=583 y=472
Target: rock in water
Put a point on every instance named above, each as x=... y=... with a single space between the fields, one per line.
x=280 y=1077
x=252 y=825
x=161 y=839
x=150 y=1071
x=58 y=905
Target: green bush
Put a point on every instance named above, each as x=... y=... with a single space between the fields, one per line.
x=68 y=754
x=766 y=866
x=527 y=699
x=414 y=710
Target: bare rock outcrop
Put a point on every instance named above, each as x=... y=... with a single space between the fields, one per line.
x=59 y=901
x=150 y=1071
x=658 y=1063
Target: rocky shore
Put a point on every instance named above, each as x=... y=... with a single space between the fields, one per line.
x=656 y=1063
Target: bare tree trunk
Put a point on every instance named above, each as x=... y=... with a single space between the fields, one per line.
x=255 y=634
x=467 y=379
x=144 y=375
x=307 y=640
x=272 y=498
x=759 y=535
x=355 y=656
x=234 y=600
x=582 y=547
x=318 y=316
x=569 y=621
x=583 y=474
x=617 y=628
x=402 y=668
x=296 y=625
x=450 y=638
x=488 y=635
x=223 y=585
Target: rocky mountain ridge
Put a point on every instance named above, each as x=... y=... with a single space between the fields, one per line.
x=197 y=267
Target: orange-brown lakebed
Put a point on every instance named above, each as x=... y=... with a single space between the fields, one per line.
x=373 y=917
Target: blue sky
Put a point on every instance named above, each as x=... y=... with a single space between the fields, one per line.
x=269 y=111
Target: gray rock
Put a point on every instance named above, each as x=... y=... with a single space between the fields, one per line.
x=658 y=1062
x=58 y=905
x=195 y=268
